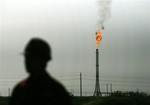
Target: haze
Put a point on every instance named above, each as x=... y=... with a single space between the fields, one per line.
x=69 y=26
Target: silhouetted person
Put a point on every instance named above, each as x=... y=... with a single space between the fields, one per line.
x=39 y=88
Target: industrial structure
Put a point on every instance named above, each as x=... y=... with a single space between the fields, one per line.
x=97 y=91
x=97 y=84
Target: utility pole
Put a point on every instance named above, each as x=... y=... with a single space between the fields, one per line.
x=107 y=88
x=81 y=85
x=110 y=88
x=8 y=91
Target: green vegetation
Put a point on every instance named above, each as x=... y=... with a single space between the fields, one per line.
x=116 y=98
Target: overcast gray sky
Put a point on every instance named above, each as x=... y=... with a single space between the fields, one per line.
x=69 y=26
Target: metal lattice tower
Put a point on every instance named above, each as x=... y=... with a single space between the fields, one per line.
x=97 y=85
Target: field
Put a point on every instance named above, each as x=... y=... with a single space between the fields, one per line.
x=114 y=99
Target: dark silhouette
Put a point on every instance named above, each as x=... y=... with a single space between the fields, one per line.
x=39 y=88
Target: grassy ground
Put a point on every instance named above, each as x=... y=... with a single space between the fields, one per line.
x=110 y=100
x=4 y=100
x=119 y=101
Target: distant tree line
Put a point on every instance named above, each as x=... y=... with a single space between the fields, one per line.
x=122 y=98
x=129 y=93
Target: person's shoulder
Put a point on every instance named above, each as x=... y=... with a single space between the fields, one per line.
x=18 y=88
x=57 y=85
x=21 y=84
x=54 y=85
x=61 y=92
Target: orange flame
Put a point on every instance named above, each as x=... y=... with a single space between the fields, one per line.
x=98 y=38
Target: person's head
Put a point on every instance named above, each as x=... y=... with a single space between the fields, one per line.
x=37 y=53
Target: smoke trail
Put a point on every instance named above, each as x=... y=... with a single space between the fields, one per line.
x=103 y=11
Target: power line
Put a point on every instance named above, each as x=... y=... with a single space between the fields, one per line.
x=105 y=76
x=85 y=77
x=77 y=74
